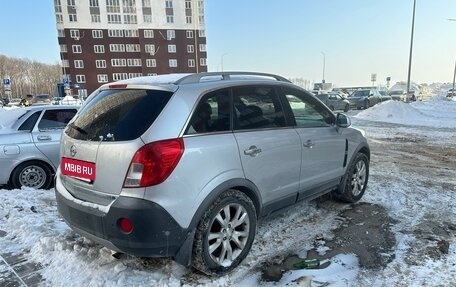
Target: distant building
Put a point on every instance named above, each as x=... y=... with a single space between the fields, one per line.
x=108 y=40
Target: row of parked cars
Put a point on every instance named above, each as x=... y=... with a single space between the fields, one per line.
x=185 y=166
x=359 y=99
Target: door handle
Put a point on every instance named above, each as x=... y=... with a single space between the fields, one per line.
x=308 y=144
x=252 y=151
x=44 y=138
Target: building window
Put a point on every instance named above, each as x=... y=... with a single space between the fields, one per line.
x=116 y=47
x=63 y=48
x=74 y=34
x=65 y=63
x=93 y=3
x=134 y=62
x=100 y=64
x=147 y=18
x=80 y=78
x=72 y=18
x=190 y=49
x=169 y=4
x=119 y=76
x=169 y=19
x=148 y=33
x=132 y=48
x=118 y=62
x=61 y=32
x=71 y=3
x=151 y=74
x=98 y=49
x=77 y=49
x=170 y=34
x=112 y=6
x=151 y=63
x=188 y=19
x=203 y=62
x=79 y=64
x=59 y=18
x=191 y=62
x=95 y=18
x=146 y=3
x=115 y=33
x=130 y=19
x=171 y=48
x=188 y=4
x=134 y=75
x=201 y=19
x=97 y=33
x=173 y=63
x=202 y=47
x=149 y=48
x=131 y=33
x=114 y=19
x=189 y=34
x=202 y=33
x=103 y=78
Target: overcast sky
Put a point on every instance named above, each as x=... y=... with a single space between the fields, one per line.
x=291 y=37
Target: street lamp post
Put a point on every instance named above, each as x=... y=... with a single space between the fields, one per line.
x=411 y=48
x=454 y=74
x=224 y=54
x=324 y=64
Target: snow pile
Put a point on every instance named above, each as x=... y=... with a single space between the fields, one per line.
x=438 y=113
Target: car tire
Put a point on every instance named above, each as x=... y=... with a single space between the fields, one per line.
x=33 y=174
x=217 y=238
x=354 y=182
x=366 y=104
x=347 y=108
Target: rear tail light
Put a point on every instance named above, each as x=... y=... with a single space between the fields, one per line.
x=125 y=225
x=154 y=162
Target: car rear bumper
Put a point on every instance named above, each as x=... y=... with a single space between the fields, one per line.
x=155 y=233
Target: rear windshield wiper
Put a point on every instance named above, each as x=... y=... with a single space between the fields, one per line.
x=82 y=131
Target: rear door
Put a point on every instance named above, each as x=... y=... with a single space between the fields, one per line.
x=323 y=146
x=104 y=137
x=270 y=151
x=47 y=132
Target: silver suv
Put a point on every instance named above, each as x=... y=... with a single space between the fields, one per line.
x=184 y=166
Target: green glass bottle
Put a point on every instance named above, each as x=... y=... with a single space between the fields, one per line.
x=311 y=263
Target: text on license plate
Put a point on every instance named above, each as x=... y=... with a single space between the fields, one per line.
x=78 y=168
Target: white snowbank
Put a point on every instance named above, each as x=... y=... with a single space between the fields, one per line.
x=438 y=113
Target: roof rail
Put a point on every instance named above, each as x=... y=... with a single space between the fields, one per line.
x=196 y=78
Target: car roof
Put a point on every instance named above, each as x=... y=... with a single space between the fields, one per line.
x=171 y=82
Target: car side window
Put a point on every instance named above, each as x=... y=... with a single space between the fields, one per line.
x=29 y=123
x=56 y=119
x=307 y=111
x=257 y=107
x=212 y=114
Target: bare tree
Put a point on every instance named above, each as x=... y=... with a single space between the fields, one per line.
x=29 y=77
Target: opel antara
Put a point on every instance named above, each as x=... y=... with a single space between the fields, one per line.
x=185 y=165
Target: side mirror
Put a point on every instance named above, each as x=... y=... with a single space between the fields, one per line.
x=343 y=121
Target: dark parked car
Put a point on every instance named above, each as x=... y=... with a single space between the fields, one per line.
x=43 y=99
x=385 y=96
x=363 y=99
x=334 y=101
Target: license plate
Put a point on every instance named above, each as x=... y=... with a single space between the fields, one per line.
x=77 y=168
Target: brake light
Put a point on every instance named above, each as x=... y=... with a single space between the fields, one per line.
x=118 y=86
x=154 y=162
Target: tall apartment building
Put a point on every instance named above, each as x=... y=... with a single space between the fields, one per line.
x=108 y=40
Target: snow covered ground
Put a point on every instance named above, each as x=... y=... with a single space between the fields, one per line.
x=413 y=175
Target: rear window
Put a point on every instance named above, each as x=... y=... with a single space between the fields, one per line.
x=118 y=115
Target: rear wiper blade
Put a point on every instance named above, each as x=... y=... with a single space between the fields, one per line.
x=82 y=131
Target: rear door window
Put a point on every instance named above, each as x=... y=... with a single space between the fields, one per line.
x=56 y=119
x=118 y=115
